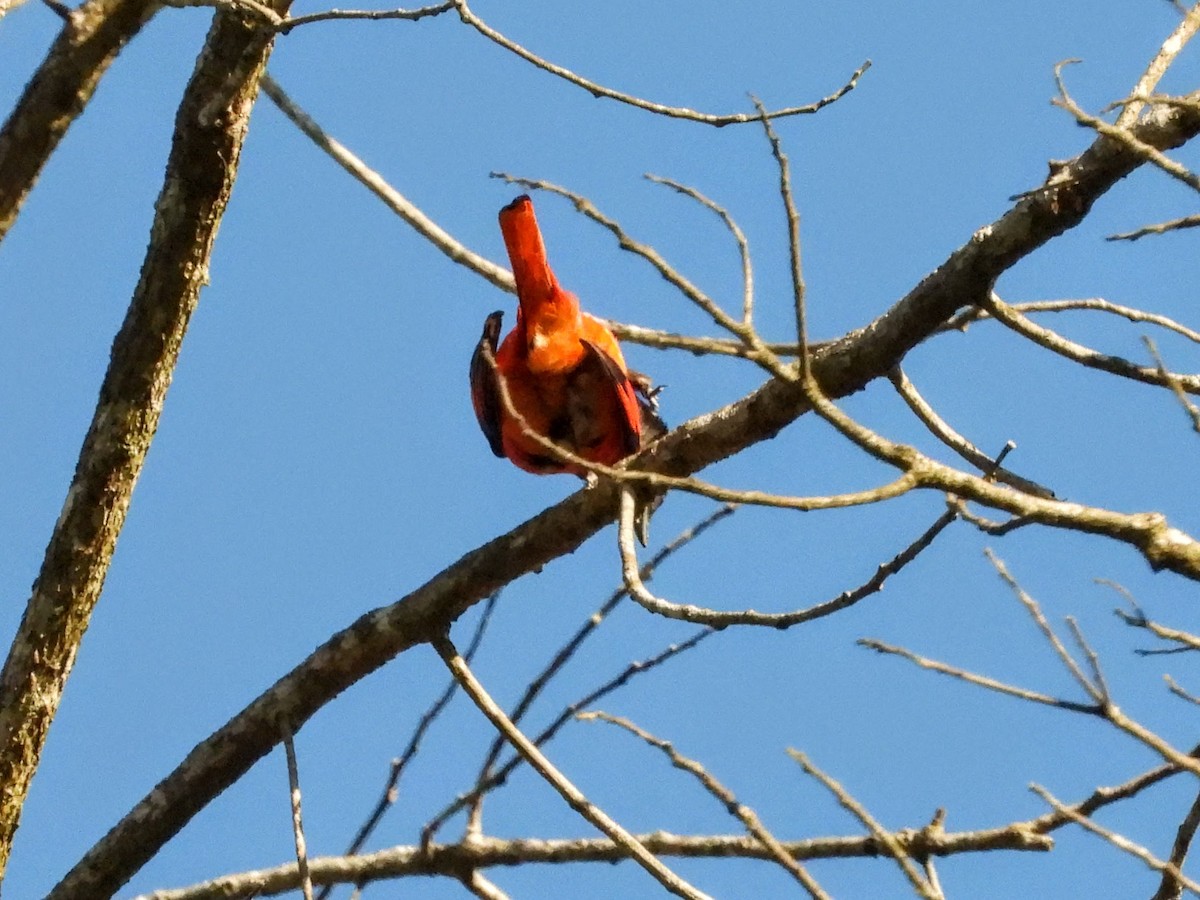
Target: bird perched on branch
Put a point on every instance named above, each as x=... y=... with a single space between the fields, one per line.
x=563 y=370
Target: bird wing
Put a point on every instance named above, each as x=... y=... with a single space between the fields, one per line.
x=485 y=390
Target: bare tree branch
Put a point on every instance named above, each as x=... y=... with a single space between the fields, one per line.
x=391 y=788
x=956 y=442
x=1118 y=841
x=571 y=794
x=1121 y=133
x=453 y=859
x=1171 y=888
x=734 y=229
x=1159 y=228
x=497 y=777
x=1085 y=356
x=210 y=127
x=744 y=814
x=372 y=15
x=842 y=367
x=90 y=40
x=895 y=849
x=565 y=653
x=960 y=321
x=1158 y=66
x=724 y=618
x=675 y=112
x=1172 y=380
x=979 y=680
x=293 y=772
x=395 y=201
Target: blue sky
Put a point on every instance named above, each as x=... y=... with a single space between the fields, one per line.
x=318 y=456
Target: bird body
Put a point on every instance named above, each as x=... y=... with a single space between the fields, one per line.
x=563 y=369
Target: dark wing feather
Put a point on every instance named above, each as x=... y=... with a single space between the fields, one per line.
x=485 y=392
x=653 y=427
x=613 y=375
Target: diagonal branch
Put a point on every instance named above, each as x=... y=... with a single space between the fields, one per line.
x=571 y=794
x=499 y=774
x=90 y=40
x=744 y=814
x=1167 y=869
x=1085 y=356
x=956 y=442
x=395 y=201
x=842 y=367
x=1171 y=888
x=209 y=129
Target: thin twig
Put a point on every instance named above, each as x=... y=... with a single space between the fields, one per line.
x=676 y=112
x=1093 y=659
x=1085 y=356
x=571 y=794
x=293 y=772
x=793 y=232
x=724 y=618
x=959 y=321
x=390 y=794
x=1179 y=692
x=956 y=442
x=1118 y=841
x=398 y=203
x=983 y=681
x=1171 y=888
x=501 y=773
x=984 y=524
x=1179 y=224
x=744 y=814
x=1138 y=619
x=1092 y=689
x=1173 y=382
x=410 y=15
x=571 y=647
x=738 y=235
x=885 y=838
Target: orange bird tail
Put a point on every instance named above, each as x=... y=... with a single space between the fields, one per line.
x=527 y=253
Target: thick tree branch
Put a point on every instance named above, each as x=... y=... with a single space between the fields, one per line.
x=90 y=40
x=844 y=366
x=209 y=130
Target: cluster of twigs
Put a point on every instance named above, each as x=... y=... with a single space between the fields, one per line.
x=801 y=377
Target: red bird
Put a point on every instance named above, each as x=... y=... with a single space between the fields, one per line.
x=563 y=369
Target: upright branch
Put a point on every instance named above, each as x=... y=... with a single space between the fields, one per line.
x=209 y=130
